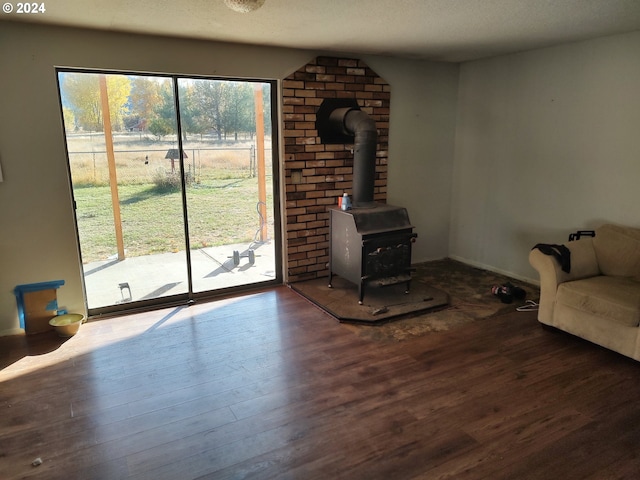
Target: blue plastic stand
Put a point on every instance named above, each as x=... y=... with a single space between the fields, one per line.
x=20 y=290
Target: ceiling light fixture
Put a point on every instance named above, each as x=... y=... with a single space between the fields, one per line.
x=244 y=6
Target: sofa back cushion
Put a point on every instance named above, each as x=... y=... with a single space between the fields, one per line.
x=618 y=251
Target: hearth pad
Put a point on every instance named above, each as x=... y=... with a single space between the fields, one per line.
x=381 y=304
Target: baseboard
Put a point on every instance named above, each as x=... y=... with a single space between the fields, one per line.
x=531 y=281
x=11 y=331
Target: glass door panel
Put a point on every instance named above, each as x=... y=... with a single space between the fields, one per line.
x=126 y=185
x=228 y=156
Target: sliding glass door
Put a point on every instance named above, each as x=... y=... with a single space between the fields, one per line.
x=173 y=185
x=228 y=160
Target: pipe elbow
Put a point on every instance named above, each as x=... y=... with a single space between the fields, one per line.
x=352 y=121
x=357 y=121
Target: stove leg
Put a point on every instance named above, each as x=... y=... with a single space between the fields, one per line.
x=408 y=287
x=330 y=279
x=360 y=293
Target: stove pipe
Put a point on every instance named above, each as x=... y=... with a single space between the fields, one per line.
x=352 y=121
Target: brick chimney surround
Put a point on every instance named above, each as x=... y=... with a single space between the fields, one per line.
x=316 y=175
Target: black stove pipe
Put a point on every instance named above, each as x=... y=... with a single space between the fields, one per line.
x=352 y=121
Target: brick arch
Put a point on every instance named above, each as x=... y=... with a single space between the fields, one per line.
x=316 y=174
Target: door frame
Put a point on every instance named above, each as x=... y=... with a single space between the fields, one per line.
x=190 y=296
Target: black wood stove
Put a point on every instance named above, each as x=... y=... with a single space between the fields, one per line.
x=370 y=244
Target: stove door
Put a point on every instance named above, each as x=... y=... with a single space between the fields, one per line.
x=387 y=255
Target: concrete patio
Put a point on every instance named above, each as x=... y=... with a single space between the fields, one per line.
x=112 y=282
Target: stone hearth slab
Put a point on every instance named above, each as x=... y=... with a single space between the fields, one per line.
x=381 y=304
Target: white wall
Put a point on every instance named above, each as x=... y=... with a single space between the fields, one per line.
x=547 y=142
x=37 y=232
x=421 y=150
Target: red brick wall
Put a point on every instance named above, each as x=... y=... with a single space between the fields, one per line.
x=316 y=174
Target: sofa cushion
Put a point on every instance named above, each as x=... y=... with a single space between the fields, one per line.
x=614 y=298
x=618 y=251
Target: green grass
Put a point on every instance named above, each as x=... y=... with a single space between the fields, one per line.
x=221 y=213
x=221 y=200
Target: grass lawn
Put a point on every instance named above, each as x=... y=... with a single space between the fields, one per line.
x=152 y=220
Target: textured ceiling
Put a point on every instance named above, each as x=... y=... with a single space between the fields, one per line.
x=445 y=30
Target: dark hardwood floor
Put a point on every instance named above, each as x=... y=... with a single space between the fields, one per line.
x=269 y=386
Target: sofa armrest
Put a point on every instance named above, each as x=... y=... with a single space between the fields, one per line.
x=583 y=264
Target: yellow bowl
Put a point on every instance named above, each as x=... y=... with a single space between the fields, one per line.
x=67 y=325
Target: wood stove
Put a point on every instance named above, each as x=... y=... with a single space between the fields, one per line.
x=371 y=246
x=371 y=243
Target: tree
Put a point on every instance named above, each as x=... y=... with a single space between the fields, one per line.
x=238 y=111
x=189 y=110
x=164 y=112
x=69 y=119
x=224 y=107
x=118 y=88
x=160 y=127
x=208 y=104
x=82 y=92
x=192 y=112
x=144 y=99
x=266 y=98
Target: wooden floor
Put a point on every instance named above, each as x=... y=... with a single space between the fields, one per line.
x=269 y=386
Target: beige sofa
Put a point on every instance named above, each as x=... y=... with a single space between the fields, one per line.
x=599 y=299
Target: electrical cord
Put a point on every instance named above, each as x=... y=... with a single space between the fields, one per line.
x=262 y=223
